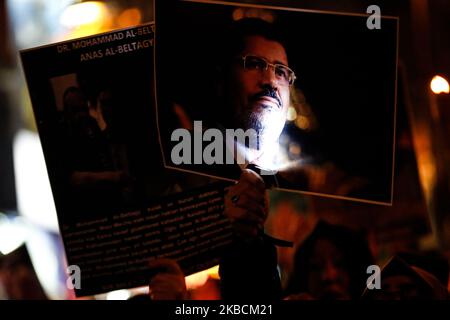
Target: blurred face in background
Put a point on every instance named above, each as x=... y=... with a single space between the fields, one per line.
x=328 y=276
x=399 y=287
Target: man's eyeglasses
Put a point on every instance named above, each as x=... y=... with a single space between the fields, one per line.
x=285 y=75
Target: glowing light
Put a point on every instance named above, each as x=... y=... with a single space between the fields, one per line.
x=439 y=85
x=291 y=114
x=46 y=259
x=199 y=279
x=34 y=195
x=82 y=14
x=118 y=295
x=295 y=149
x=13 y=235
x=196 y=280
x=129 y=17
x=214 y=272
x=302 y=122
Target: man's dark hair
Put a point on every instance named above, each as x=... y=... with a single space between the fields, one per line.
x=70 y=90
x=235 y=37
x=68 y=107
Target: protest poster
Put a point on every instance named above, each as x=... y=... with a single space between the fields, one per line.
x=118 y=207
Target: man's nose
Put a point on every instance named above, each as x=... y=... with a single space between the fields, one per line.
x=269 y=77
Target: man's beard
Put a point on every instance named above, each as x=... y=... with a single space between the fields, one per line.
x=266 y=120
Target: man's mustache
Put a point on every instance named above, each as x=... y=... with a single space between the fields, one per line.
x=271 y=93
